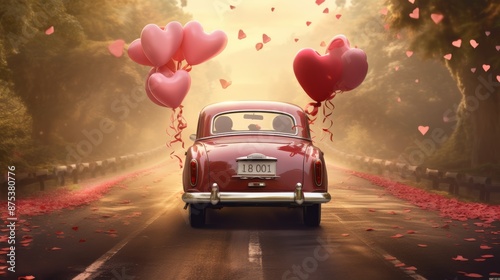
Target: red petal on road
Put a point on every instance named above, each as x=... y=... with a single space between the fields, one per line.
x=124 y=202
x=74 y=228
x=487 y=256
x=241 y=34
x=485 y=247
x=345 y=234
x=392 y=213
x=29 y=277
x=479 y=260
x=494 y=274
x=470 y=239
x=390 y=258
x=411 y=268
x=224 y=83
x=411 y=231
x=397 y=236
x=400 y=265
x=59 y=232
x=422 y=245
x=474 y=275
x=371 y=210
x=259 y=46
x=55 y=248
x=460 y=258
x=370 y=229
x=82 y=240
x=26 y=229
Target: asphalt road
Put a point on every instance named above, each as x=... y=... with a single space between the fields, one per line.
x=139 y=230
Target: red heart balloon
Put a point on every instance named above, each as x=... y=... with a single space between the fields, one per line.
x=317 y=74
x=354 y=69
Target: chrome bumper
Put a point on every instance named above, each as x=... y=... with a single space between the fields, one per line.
x=215 y=196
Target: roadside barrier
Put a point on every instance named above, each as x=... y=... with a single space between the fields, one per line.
x=454 y=182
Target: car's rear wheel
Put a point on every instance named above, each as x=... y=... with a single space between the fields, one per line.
x=312 y=215
x=197 y=213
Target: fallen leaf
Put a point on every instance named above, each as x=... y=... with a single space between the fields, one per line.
x=241 y=35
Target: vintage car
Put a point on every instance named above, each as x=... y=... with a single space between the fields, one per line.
x=254 y=153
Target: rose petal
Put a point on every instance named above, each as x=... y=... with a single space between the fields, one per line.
x=259 y=46
x=265 y=38
x=224 y=83
x=241 y=34
x=49 y=30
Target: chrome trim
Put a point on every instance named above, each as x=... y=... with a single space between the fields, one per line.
x=256 y=197
x=215 y=194
x=298 y=194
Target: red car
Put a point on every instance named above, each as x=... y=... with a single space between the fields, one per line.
x=254 y=153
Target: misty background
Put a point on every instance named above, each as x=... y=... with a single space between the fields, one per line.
x=62 y=91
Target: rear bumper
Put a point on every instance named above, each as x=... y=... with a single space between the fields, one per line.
x=296 y=197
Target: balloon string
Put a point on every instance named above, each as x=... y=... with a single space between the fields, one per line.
x=180 y=160
x=181 y=125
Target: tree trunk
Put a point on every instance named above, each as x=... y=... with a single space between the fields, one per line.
x=479 y=111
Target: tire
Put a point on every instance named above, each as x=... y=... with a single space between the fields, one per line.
x=197 y=213
x=312 y=215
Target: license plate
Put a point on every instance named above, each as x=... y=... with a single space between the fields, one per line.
x=261 y=168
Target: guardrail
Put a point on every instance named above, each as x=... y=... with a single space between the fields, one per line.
x=64 y=174
x=453 y=181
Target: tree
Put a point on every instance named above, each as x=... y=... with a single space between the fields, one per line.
x=464 y=36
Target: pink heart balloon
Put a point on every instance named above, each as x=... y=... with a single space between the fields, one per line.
x=198 y=46
x=354 y=69
x=148 y=91
x=338 y=45
x=159 y=44
x=170 y=91
x=136 y=53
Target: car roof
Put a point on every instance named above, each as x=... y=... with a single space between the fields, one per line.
x=225 y=106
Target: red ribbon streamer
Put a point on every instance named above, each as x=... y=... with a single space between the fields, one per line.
x=180 y=160
x=312 y=109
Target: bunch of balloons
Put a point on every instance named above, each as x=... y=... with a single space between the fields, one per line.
x=165 y=49
x=342 y=68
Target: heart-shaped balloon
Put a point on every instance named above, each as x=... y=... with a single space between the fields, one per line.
x=354 y=69
x=148 y=92
x=136 y=53
x=170 y=91
x=317 y=74
x=198 y=46
x=338 y=46
x=167 y=70
x=159 y=44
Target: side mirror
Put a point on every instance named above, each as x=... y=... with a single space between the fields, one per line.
x=192 y=137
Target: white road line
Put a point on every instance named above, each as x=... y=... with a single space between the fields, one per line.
x=254 y=250
x=92 y=270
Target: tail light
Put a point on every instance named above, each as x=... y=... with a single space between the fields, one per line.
x=193 y=172
x=318 y=172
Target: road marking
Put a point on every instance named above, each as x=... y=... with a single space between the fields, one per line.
x=92 y=270
x=254 y=250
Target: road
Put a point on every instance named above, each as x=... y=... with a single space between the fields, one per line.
x=139 y=230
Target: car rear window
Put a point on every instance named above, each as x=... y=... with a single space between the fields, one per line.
x=254 y=121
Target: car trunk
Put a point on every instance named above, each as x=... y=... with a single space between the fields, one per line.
x=223 y=167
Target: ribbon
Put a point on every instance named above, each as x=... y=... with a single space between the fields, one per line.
x=180 y=160
x=312 y=110
x=178 y=124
